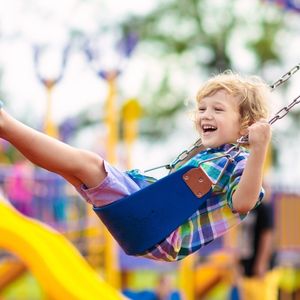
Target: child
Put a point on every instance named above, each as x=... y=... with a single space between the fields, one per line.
x=229 y=106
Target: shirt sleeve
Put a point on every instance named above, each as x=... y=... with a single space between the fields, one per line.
x=234 y=181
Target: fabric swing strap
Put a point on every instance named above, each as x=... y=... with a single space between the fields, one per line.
x=142 y=220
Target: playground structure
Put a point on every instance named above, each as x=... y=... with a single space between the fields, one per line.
x=58 y=266
x=32 y=241
x=49 y=83
x=38 y=233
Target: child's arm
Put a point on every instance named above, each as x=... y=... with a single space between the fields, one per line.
x=247 y=192
x=75 y=165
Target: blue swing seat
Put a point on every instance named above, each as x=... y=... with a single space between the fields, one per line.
x=143 y=219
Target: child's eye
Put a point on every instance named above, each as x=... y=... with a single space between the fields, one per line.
x=219 y=109
x=201 y=109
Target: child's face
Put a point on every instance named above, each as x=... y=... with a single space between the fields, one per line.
x=219 y=119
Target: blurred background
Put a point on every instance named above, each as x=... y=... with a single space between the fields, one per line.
x=120 y=78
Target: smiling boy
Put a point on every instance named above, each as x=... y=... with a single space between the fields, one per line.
x=229 y=106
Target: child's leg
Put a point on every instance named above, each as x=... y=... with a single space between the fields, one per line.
x=75 y=165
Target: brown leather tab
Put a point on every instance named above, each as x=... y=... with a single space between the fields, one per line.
x=198 y=181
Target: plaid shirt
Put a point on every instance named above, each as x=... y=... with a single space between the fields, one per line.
x=211 y=221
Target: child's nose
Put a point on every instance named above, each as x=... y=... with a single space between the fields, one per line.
x=207 y=114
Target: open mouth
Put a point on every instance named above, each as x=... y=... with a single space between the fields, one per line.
x=208 y=128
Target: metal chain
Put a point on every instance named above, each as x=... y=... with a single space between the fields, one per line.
x=184 y=154
x=181 y=157
x=279 y=115
x=284 y=111
x=285 y=77
x=244 y=139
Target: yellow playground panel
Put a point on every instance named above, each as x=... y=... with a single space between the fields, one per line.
x=288 y=222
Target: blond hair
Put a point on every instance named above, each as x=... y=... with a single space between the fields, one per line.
x=251 y=92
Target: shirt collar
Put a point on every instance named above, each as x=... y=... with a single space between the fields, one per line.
x=222 y=148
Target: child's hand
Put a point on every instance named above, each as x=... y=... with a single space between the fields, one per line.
x=259 y=135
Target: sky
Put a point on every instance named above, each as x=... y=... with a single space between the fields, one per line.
x=26 y=24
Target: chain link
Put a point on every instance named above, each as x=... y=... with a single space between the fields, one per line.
x=184 y=154
x=285 y=110
x=181 y=157
x=285 y=77
x=279 y=115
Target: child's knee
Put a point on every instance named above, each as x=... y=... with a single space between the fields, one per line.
x=90 y=169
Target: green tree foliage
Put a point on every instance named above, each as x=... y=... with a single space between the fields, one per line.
x=209 y=36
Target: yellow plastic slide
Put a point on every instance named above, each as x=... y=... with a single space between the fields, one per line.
x=54 y=261
x=11 y=270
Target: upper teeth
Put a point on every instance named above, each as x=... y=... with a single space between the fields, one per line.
x=205 y=127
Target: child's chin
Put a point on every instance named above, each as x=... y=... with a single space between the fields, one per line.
x=210 y=145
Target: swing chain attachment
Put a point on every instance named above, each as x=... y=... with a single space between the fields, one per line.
x=279 y=115
x=181 y=157
x=285 y=77
x=184 y=154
